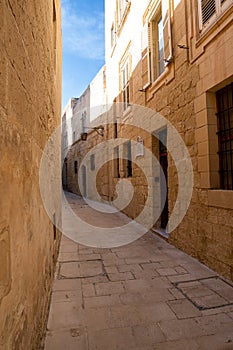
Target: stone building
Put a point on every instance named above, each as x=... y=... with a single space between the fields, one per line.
x=175 y=58
x=67 y=136
x=82 y=118
x=30 y=95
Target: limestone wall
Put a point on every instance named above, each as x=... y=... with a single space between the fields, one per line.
x=30 y=93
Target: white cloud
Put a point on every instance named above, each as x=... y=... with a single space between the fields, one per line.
x=83 y=33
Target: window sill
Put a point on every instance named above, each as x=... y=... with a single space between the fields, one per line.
x=127 y=111
x=220 y=198
x=163 y=79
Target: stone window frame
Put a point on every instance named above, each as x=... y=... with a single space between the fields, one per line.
x=205 y=106
x=225 y=135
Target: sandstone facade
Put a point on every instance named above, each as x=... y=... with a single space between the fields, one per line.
x=30 y=94
x=198 y=65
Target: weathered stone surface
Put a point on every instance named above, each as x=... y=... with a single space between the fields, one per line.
x=30 y=105
x=141 y=314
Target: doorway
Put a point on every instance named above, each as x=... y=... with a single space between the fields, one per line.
x=163 y=168
x=65 y=175
x=84 y=180
x=159 y=148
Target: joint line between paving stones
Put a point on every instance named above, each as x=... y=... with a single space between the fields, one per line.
x=201 y=308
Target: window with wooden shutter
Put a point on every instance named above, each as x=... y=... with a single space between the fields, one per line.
x=157 y=46
x=167 y=38
x=207 y=9
x=210 y=10
x=123 y=7
x=125 y=80
x=145 y=49
x=158 y=53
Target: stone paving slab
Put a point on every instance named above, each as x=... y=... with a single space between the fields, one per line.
x=142 y=296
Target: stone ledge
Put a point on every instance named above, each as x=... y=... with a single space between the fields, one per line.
x=220 y=198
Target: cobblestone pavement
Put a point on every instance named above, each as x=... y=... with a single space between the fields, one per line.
x=142 y=296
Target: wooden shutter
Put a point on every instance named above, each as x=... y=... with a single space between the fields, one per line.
x=167 y=31
x=206 y=10
x=145 y=49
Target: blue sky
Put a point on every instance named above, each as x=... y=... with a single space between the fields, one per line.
x=83 y=45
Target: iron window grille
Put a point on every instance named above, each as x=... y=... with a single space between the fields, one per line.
x=225 y=135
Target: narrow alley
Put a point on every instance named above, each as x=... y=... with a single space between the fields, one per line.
x=116 y=175
x=145 y=295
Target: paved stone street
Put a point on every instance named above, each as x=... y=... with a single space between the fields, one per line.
x=142 y=296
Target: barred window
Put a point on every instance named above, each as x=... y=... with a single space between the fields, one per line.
x=225 y=135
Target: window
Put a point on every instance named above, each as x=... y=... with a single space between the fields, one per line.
x=158 y=64
x=161 y=65
x=122 y=4
x=92 y=161
x=75 y=167
x=125 y=75
x=127 y=161
x=84 y=122
x=65 y=140
x=73 y=136
x=225 y=135
x=113 y=35
x=156 y=42
x=210 y=10
x=116 y=162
